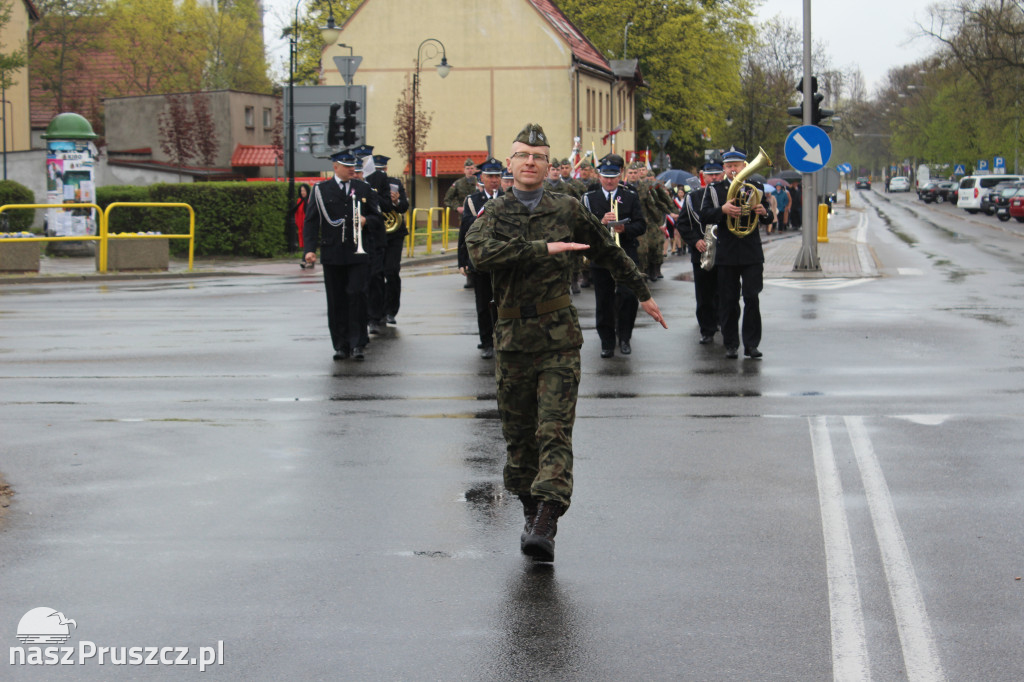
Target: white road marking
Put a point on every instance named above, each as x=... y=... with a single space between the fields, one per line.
x=849 y=642
x=910 y=271
x=824 y=283
x=867 y=263
x=920 y=654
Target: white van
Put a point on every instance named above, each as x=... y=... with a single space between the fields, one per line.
x=973 y=187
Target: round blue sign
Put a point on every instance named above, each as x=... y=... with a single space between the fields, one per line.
x=808 y=149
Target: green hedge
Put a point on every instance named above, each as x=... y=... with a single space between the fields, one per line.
x=20 y=220
x=232 y=218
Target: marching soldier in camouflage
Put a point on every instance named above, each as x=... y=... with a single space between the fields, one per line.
x=573 y=187
x=456 y=195
x=653 y=240
x=527 y=239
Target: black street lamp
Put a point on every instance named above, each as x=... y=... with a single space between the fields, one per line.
x=442 y=70
x=329 y=33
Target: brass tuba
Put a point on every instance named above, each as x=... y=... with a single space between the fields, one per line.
x=749 y=196
x=392 y=221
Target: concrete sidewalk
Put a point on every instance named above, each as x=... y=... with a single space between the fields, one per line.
x=841 y=256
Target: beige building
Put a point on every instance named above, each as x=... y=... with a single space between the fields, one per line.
x=513 y=62
x=14 y=109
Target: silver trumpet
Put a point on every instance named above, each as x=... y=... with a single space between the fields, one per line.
x=707 y=259
x=357 y=214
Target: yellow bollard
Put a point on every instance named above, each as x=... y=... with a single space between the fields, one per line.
x=822 y=223
x=847 y=198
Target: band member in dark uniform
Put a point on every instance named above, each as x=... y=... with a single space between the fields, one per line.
x=395 y=244
x=345 y=247
x=617 y=305
x=705 y=282
x=739 y=261
x=490 y=173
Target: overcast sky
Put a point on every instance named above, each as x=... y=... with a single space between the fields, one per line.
x=874 y=35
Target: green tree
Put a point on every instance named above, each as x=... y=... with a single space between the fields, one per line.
x=233 y=35
x=309 y=43
x=61 y=43
x=689 y=51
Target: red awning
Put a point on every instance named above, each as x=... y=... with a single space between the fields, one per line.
x=257 y=155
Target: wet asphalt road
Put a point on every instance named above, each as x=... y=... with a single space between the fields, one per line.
x=190 y=466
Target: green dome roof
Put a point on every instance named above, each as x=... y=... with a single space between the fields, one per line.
x=68 y=126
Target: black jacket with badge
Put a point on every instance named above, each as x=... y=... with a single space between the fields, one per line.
x=318 y=232
x=731 y=249
x=401 y=207
x=629 y=210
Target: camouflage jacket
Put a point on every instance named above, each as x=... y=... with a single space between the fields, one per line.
x=511 y=243
x=458 y=192
x=654 y=211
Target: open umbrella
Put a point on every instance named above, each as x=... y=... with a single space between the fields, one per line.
x=678 y=176
x=778 y=182
x=790 y=175
x=757 y=177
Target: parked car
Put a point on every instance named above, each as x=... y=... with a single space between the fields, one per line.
x=1002 y=200
x=973 y=186
x=1016 y=209
x=924 y=188
x=990 y=197
x=899 y=183
x=938 y=192
x=863 y=183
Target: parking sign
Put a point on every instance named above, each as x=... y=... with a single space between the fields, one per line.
x=1000 y=164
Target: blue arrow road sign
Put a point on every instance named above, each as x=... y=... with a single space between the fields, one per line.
x=844 y=168
x=959 y=170
x=808 y=149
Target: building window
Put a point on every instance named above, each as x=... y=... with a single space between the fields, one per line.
x=600 y=113
x=250 y=117
x=268 y=118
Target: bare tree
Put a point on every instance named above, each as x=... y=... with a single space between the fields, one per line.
x=206 y=141
x=411 y=130
x=177 y=131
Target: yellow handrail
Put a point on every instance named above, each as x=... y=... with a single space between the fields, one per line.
x=105 y=223
x=83 y=238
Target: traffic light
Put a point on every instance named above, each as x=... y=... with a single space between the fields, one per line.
x=334 y=127
x=349 y=123
x=817 y=113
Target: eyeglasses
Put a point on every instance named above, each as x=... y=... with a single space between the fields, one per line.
x=524 y=156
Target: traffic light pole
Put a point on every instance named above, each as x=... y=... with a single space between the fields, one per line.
x=807 y=257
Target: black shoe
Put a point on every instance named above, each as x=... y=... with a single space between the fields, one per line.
x=752 y=352
x=487 y=353
x=732 y=353
x=624 y=348
x=539 y=544
x=340 y=353
x=303 y=264
x=705 y=339
x=358 y=353
x=607 y=352
x=373 y=326
x=529 y=513
x=390 y=319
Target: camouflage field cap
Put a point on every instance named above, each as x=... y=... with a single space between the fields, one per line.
x=468 y=163
x=533 y=135
x=587 y=164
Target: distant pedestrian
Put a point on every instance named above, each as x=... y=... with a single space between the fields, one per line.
x=299 y=219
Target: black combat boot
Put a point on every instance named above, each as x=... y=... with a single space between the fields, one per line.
x=529 y=512
x=540 y=542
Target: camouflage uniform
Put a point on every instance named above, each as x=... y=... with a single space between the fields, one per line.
x=653 y=240
x=457 y=193
x=538 y=365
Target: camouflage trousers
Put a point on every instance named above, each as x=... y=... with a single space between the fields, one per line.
x=537 y=401
x=652 y=248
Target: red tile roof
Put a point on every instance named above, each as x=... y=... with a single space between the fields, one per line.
x=581 y=47
x=448 y=163
x=257 y=155
x=82 y=94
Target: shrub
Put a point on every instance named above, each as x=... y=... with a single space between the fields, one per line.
x=18 y=220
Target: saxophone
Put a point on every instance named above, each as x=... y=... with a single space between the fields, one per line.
x=707 y=259
x=749 y=196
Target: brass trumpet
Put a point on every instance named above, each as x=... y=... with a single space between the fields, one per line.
x=749 y=196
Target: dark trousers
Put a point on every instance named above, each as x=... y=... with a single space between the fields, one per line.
x=346 y=304
x=484 y=294
x=616 y=307
x=392 y=280
x=734 y=280
x=705 y=286
x=375 y=287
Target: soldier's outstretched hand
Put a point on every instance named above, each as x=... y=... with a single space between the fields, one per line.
x=560 y=247
x=651 y=308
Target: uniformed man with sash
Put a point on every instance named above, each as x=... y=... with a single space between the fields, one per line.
x=490 y=174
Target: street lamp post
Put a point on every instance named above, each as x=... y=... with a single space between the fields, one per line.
x=442 y=70
x=329 y=33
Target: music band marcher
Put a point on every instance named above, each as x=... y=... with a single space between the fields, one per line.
x=617 y=207
x=526 y=240
x=345 y=246
x=705 y=280
x=490 y=174
x=739 y=259
x=385 y=284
